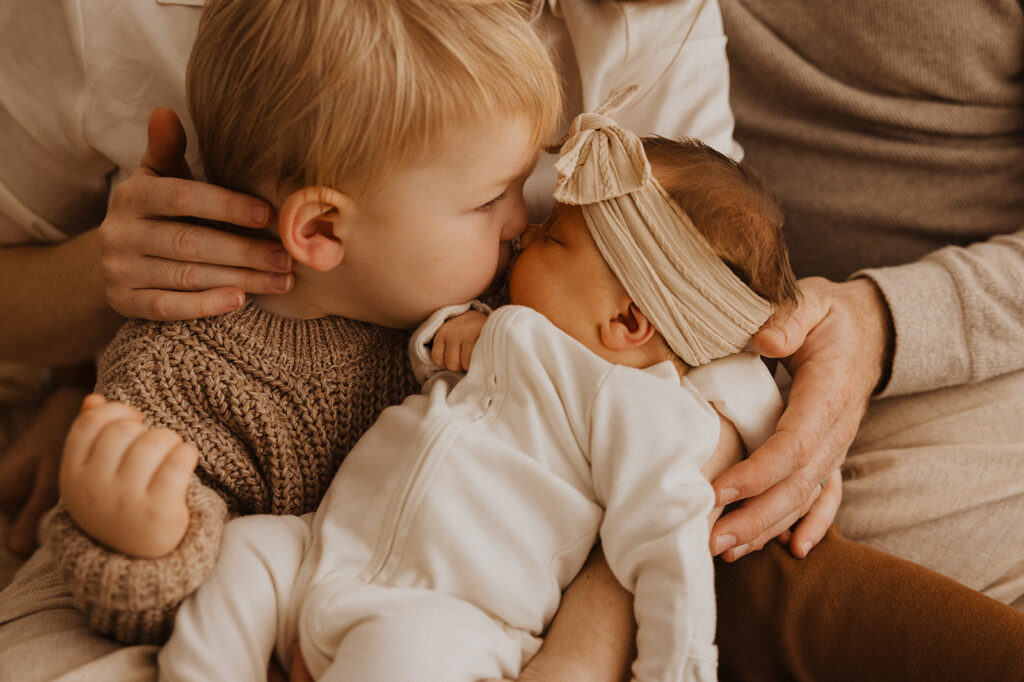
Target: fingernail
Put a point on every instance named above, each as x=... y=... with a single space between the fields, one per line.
x=259 y=214
x=805 y=549
x=233 y=301
x=281 y=260
x=737 y=552
x=724 y=542
x=281 y=283
x=729 y=495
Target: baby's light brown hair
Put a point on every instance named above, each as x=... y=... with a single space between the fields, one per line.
x=733 y=209
x=299 y=93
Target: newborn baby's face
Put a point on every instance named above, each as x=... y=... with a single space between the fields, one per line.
x=561 y=274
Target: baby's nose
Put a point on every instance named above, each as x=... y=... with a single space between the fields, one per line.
x=531 y=231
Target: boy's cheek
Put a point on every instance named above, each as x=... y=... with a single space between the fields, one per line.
x=505 y=256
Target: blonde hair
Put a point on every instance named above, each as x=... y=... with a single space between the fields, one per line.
x=337 y=93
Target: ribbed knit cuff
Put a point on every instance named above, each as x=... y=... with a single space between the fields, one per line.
x=930 y=346
x=134 y=600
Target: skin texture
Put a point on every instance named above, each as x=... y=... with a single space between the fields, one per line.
x=424 y=236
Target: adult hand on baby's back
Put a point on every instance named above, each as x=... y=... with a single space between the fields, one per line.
x=123 y=483
x=835 y=344
x=158 y=267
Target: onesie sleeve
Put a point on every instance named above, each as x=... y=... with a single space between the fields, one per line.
x=423 y=366
x=958 y=314
x=134 y=600
x=649 y=438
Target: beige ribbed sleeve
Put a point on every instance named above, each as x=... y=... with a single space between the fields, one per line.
x=893 y=134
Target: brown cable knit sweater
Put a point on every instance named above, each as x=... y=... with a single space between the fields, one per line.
x=272 y=404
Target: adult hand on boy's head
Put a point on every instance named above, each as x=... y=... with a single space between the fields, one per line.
x=160 y=268
x=835 y=344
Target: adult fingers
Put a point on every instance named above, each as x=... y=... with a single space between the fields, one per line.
x=148 y=272
x=784 y=333
x=160 y=304
x=165 y=145
x=812 y=527
x=181 y=241
x=779 y=480
x=763 y=517
x=144 y=194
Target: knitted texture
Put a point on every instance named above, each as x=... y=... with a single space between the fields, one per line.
x=273 y=406
x=889 y=131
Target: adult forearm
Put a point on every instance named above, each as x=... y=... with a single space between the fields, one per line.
x=592 y=637
x=53 y=310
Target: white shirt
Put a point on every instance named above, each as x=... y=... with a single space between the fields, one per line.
x=79 y=78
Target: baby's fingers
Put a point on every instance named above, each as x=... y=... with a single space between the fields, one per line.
x=145 y=456
x=112 y=445
x=438 y=351
x=87 y=427
x=465 y=353
x=170 y=481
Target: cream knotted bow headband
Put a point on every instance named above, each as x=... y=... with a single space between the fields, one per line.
x=701 y=308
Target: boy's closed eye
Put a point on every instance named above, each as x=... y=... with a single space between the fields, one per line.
x=493 y=202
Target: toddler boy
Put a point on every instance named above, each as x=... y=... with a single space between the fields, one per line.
x=388 y=138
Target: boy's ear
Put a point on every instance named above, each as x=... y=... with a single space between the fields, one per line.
x=314 y=222
x=627 y=330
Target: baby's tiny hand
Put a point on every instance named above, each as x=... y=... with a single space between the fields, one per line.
x=123 y=483
x=454 y=341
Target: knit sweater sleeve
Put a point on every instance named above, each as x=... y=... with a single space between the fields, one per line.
x=134 y=600
x=958 y=314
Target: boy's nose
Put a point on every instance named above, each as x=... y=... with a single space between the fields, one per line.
x=512 y=229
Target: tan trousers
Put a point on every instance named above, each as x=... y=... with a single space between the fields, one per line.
x=43 y=637
x=938 y=478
